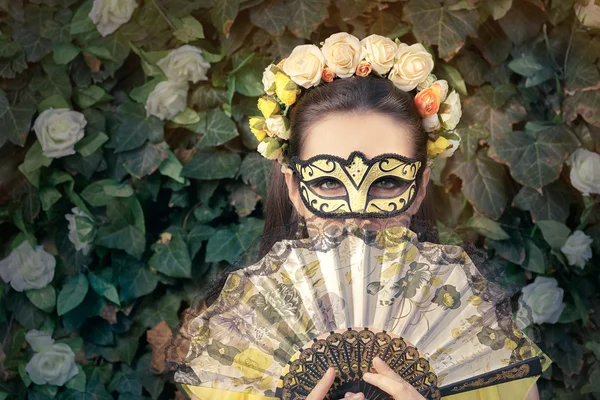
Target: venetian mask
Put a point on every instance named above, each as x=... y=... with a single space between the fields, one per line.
x=357 y=187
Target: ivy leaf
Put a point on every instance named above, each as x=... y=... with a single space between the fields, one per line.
x=34 y=46
x=272 y=16
x=44 y=299
x=128 y=238
x=56 y=81
x=205 y=97
x=135 y=128
x=511 y=249
x=212 y=164
x=497 y=96
x=223 y=14
x=498 y=8
x=243 y=198
x=15 y=120
x=136 y=280
x=256 y=171
x=228 y=243
x=586 y=104
x=582 y=73
x=472 y=67
x=435 y=23
x=164 y=309
x=218 y=128
x=535 y=159
x=25 y=313
x=188 y=29
x=487 y=227
x=306 y=16
x=81 y=22
x=470 y=137
x=522 y=22
x=146 y=159
x=90 y=143
x=484 y=183
x=104 y=288
x=496 y=121
x=197 y=236
x=78 y=381
x=100 y=193
x=552 y=204
x=72 y=294
x=535 y=260
x=555 y=233
x=64 y=53
x=173 y=258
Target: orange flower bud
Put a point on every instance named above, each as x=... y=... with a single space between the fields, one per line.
x=327 y=75
x=364 y=68
x=428 y=101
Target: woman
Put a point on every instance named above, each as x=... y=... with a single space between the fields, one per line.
x=334 y=121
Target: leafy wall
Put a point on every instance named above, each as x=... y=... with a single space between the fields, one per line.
x=163 y=205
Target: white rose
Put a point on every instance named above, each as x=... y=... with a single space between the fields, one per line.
x=578 y=248
x=270 y=148
x=109 y=15
x=58 y=130
x=585 y=171
x=80 y=220
x=431 y=123
x=38 y=340
x=28 y=268
x=545 y=300
x=54 y=365
x=268 y=80
x=379 y=51
x=185 y=64
x=412 y=66
x=454 y=139
x=168 y=99
x=305 y=65
x=278 y=125
x=588 y=14
x=342 y=53
x=451 y=111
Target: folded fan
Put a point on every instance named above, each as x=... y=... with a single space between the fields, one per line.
x=345 y=296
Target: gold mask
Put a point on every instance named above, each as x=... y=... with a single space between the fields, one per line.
x=332 y=187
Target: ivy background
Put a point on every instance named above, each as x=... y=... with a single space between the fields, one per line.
x=528 y=74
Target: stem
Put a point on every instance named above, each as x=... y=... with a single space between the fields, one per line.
x=12 y=317
x=569 y=49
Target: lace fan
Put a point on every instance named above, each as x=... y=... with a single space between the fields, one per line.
x=340 y=299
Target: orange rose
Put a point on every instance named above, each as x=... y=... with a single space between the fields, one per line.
x=364 y=68
x=428 y=101
x=327 y=75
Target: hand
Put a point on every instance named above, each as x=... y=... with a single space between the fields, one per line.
x=320 y=390
x=388 y=381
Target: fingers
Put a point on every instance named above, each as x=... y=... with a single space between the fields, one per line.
x=354 y=396
x=322 y=387
x=382 y=368
x=390 y=382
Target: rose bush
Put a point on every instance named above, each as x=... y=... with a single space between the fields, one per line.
x=138 y=178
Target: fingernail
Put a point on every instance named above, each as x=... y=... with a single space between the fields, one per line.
x=367 y=376
x=357 y=397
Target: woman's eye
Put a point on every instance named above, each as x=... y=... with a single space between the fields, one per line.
x=387 y=187
x=329 y=187
x=387 y=184
x=329 y=184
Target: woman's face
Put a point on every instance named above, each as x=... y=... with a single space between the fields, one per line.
x=372 y=134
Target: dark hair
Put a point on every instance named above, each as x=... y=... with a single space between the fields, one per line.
x=349 y=95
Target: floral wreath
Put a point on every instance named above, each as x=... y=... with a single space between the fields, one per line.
x=343 y=56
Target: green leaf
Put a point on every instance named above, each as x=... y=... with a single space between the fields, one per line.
x=164 y=309
x=101 y=192
x=172 y=168
x=582 y=74
x=212 y=164
x=243 y=198
x=586 y=104
x=484 y=183
x=9 y=48
x=523 y=21
x=64 y=53
x=81 y=23
x=223 y=14
x=78 y=381
x=128 y=238
x=197 y=236
x=472 y=67
x=173 y=258
x=34 y=159
x=454 y=78
x=477 y=111
x=186 y=117
x=34 y=46
x=104 y=288
x=135 y=128
x=555 y=233
x=228 y=243
x=54 y=101
x=48 y=197
x=90 y=96
x=140 y=94
x=552 y=204
x=44 y=299
x=126 y=381
x=72 y=294
x=15 y=120
x=256 y=171
x=218 y=129
x=535 y=260
x=487 y=227
x=527 y=66
x=91 y=142
x=146 y=159
x=448 y=235
x=25 y=313
x=436 y=24
x=272 y=16
x=534 y=161
x=136 y=280
x=511 y=249
x=470 y=137
x=306 y=16
x=498 y=8
x=497 y=96
x=248 y=79
x=205 y=97
x=188 y=29
x=56 y=81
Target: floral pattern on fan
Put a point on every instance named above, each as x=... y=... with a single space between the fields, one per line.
x=431 y=295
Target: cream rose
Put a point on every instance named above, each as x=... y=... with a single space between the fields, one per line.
x=28 y=268
x=544 y=299
x=168 y=99
x=412 y=66
x=451 y=111
x=268 y=79
x=342 y=53
x=305 y=65
x=270 y=148
x=585 y=171
x=58 y=130
x=109 y=15
x=431 y=123
x=81 y=230
x=52 y=363
x=578 y=249
x=588 y=13
x=379 y=51
x=279 y=126
x=185 y=64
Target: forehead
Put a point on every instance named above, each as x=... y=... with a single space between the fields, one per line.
x=371 y=133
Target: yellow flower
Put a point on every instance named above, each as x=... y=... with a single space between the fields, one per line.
x=268 y=106
x=475 y=300
x=438 y=146
x=448 y=299
x=510 y=344
x=286 y=89
x=258 y=127
x=456 y=333
x=252 y=363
